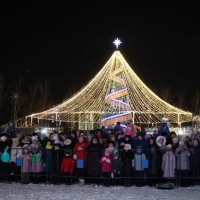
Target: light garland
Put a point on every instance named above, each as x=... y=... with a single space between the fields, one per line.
x=116 y=87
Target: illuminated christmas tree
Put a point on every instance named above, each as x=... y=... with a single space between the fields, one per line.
x=115 y=94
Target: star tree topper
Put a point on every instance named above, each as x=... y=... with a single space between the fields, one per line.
x=117 y=42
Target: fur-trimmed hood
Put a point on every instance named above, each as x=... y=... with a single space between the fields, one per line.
x=160 y=137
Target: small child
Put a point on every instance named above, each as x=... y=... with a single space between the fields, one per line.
x=116 y=168
x=182 y=158
x=34 y=141
x=169 y=164
x=67 y=167
x=106 y=161
x=37 y=163
x=26 y=165
x=139 y=170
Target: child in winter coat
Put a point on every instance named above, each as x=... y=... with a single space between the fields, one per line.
x=26 y=165
x=116 y=170
x=37 y=163
x=182 y=159
x=106 y=161
x=67 y=167
x=169 y=164
x=139 y=170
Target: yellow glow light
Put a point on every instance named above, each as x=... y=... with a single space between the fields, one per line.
x=144 y=105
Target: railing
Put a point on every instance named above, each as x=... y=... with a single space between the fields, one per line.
x=52 y=166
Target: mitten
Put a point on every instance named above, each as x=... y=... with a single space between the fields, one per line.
x=104 y=158
x=108 y=160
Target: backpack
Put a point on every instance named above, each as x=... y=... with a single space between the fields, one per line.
x=166 y=186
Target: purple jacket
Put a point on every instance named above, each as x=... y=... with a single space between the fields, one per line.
x=168 y=164
x=37 y=167
x=26 y=164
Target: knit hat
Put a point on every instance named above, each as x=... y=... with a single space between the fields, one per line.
x=139 y=147
x=3 y=138
x=108 y=150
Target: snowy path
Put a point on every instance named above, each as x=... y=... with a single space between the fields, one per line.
x=74 y=192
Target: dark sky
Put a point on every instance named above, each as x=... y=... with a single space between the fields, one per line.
x=68 y=42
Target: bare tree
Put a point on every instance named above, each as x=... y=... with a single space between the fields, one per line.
x=72 y=90
x=44 y=94
x=196 y=100
x=181 y=100
x=32 y=91
x=17 y=99
x=167 y=95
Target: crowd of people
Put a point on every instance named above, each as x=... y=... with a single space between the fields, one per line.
x=114 y=157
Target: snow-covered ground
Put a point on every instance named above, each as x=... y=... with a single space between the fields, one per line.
x=74 y=192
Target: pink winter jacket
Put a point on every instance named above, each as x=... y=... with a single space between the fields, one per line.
x=106 y=164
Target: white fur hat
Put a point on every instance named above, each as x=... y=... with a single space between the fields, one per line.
x=3 y=138
x=127 y=146
x=169 y=146
x=34 y=138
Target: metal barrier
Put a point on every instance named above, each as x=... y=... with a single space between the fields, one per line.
x=125 y=168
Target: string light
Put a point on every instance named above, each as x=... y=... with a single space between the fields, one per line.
x=115 y=86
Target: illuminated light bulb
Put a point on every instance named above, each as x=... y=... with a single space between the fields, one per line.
x=95 y=99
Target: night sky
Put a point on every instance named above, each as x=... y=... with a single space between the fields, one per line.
x=68 y=42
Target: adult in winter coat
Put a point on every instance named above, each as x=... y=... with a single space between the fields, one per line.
x=127 y=156
x=57 y=155
x=155 y=161
x=168 y=163
x=182 y=163
x=95 y=151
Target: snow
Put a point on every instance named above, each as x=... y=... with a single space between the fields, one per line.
x=17 y=191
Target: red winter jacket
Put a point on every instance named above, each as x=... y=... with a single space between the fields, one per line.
x=67 y=165
x=81 y=154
